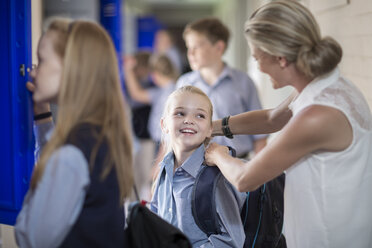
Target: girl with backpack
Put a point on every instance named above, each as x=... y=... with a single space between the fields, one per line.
x=186 y=124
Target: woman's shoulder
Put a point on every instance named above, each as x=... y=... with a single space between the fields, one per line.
x=324 y=126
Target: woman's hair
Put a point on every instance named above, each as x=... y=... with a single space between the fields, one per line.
x=163 y=65
x=211 y=27
x=90 y=92
x=178 y=93
x=288 y=29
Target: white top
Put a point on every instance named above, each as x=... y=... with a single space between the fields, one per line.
x=328 y=195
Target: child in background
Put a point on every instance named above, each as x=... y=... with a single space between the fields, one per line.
x=164 y=43
x=164 y=76
x=231 y=91
x=141 y=111
x=186 y=124
x=85 y=170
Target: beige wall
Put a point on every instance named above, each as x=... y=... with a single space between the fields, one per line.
x=350 y=23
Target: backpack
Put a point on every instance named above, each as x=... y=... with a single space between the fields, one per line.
x=146 y=229
x=261 y=214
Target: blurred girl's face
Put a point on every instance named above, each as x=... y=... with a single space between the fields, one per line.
x=188 y=122
x=47 y=75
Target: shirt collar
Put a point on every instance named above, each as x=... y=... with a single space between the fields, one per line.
x=316 y=85
x=191 y=165
x=226 y=73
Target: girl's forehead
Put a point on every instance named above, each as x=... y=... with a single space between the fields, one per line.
x=190 y=100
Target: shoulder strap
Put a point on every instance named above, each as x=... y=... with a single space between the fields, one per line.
x=203 y=203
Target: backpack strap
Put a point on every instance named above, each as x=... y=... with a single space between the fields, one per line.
x=203 y=202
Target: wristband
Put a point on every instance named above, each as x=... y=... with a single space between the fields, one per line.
x=42 y=116
x=225 y=127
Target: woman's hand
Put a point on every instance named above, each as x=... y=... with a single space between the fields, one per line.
x=213 y=151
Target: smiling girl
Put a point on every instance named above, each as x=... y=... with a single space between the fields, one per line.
x=186 y=124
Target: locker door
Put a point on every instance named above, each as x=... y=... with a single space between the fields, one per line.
x=16 y=140
x=147 y=28
x=110 y=19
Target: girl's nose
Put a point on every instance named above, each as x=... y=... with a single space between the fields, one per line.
x=33 y=71
x=188 y=121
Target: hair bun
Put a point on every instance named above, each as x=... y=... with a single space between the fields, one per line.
x=320 y=58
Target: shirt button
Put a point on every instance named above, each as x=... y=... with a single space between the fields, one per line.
x=170 y=210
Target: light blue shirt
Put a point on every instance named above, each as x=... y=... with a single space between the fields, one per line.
x=49 y=212
x=232 y=94
x=172 y=201
x=158 y=97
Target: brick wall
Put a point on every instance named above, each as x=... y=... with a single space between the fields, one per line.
x=350 y=23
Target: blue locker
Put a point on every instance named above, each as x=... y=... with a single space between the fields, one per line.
x=147 y=27
x=16 y=143
x=110 y=18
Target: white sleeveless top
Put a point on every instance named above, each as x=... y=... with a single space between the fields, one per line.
x=328 y=195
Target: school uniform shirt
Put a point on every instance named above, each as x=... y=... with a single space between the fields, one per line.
x=328 y=195
x=46 y=216
x=172 y=202
x=158 y=97
x=232 y=94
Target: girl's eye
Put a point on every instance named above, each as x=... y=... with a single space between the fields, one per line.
x=201 y=116
x=178 y=113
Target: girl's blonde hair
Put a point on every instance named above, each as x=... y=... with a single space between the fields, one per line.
x=288 y=29
x=90 y=92
x=177 y=93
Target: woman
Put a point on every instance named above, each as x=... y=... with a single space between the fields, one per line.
x=84 y=173
x=326 y=133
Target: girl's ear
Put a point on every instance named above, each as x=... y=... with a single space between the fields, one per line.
x=209 y=134
x=163 y=126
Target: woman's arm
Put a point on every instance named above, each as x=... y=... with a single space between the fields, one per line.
x=258 y=121
x=49 y=212
x=316 y=128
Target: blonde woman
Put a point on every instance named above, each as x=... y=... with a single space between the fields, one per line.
x=84 y=173
x=325 y=142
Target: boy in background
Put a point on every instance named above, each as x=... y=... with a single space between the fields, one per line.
x=231 y=91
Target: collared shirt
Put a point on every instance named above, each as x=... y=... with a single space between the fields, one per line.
x=172 y=201
x=158 y=97
x=49 y=211
x=232 y=94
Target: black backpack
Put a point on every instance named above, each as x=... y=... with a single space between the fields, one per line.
x=262 y=212
x=146 y=229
